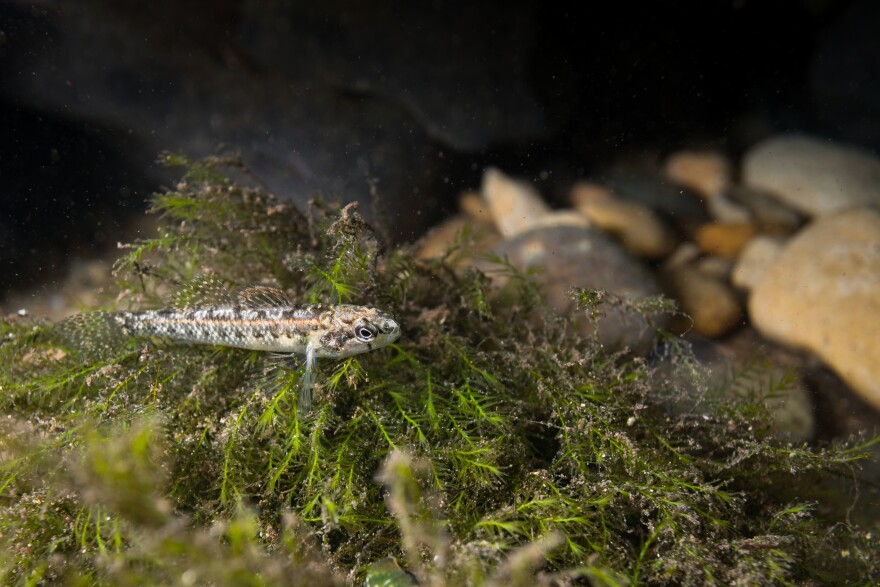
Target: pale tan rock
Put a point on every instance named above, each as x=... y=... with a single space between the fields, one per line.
x=515 y=205
x=685 y=253
x=758 y=255
x=635 y=226
x=823 y=294
x=724 y=239
x=563 y=218
x=710 y=302
x=475 y=207
x=813 y=176
x=723 y=209
x=707 y=173
x=587 y=191
x=437 y=241
x=718 y=267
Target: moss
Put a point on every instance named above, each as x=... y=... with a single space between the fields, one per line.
x=492 y=444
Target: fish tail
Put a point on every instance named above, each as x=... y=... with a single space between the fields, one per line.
x=92 y=332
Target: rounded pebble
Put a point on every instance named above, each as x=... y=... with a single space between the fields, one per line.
x=634 y=225
x=437 y=241
x=475 y=207
x=568 y=257
x=563 y=218
x=813 y=176
x=707 y=173
x=515 y=205
x=759 y=254
x=823 y=293
x=724 y=239
x=680 y=206
x=769 y=214
x=754 y=372
x=723 y=209
x=711 y=304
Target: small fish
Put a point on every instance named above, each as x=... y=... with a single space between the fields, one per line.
x=258 y=318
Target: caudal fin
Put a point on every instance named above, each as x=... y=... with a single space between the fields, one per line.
x=92 y=332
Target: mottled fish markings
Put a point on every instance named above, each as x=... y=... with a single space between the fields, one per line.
x=258 y=318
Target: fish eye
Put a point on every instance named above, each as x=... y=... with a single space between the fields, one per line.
x=364 y=333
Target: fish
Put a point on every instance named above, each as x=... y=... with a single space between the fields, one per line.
x=258 y=318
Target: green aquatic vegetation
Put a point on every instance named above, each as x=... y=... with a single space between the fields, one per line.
x=492 y=444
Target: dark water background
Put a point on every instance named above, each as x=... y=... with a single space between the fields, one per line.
x=329 y=97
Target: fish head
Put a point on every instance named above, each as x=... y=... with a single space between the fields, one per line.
x=355 y=330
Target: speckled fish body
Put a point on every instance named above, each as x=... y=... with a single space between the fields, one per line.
x=258 y=318
x=328 y=331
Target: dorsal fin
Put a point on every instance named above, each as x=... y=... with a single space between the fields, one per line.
x=207 y=291
x=259 y=296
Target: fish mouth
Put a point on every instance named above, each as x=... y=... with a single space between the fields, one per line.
x=391 y=330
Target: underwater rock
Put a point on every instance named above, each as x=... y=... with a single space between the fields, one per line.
x=440 y=239
x=413 y=56
x=568 y=257
x=661 y=195
x=813 y=176
x=515 y=205
x=476 y=208
x=707 y=173
x=726 y=239
x=708 y=300
x=563 y=218
x=634 y=225
x=769 y=214
x=745 y=366
x=823 y=294
x=758 y=254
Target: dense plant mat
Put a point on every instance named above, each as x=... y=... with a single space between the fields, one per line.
x=491 y=444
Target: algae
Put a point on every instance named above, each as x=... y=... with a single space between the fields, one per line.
x=492 y=444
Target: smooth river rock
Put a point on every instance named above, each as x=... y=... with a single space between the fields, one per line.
x=567 y=257
x=635 y=225
x=823 y=294
x=707 y=173
x=515 y=206
x=813 y=176
x=758 y=255
x=709 y=302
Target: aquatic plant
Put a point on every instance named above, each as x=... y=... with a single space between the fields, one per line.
x=491 y=444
